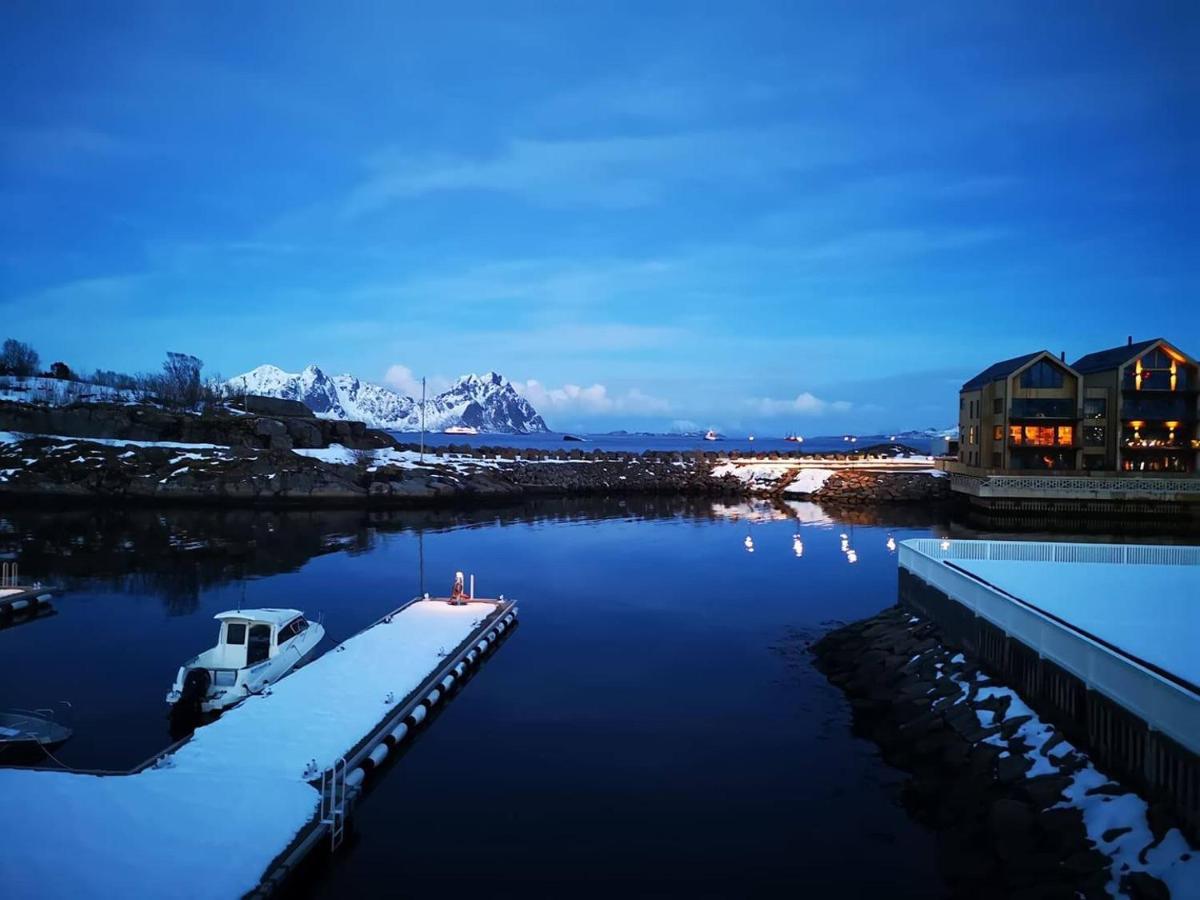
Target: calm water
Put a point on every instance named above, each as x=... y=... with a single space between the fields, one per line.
x=636 y=443
x=642 y=731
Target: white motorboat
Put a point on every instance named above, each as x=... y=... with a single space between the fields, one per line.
x=255 y=648
x=461 y=429
x=711 y=435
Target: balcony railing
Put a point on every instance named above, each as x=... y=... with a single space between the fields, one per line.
x=1030 y=408
x=1160 y=409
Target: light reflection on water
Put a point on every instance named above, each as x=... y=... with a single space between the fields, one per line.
x=653 y=724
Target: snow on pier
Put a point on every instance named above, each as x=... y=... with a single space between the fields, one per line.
x=209 y=818
x=1122 y=618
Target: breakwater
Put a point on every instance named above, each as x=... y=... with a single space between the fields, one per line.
x=120 y=469
x=1018 y=810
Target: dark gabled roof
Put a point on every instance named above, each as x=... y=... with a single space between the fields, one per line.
x=1103 y=360
x=999 y=370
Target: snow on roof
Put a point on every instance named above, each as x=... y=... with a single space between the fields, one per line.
x=271 y=616
x=999 y=370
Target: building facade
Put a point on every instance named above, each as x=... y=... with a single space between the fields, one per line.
x=1132 y=408
x=1140 y=408
x=1021 y=414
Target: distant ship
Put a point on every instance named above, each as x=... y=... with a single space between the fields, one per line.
x=461 y=429
x=794 y=438
x=711 y=435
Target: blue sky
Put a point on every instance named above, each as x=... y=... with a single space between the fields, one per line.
x=778 y=216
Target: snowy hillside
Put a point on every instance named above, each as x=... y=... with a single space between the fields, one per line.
x=951 y=433
x=487 y=402
x=58 y=392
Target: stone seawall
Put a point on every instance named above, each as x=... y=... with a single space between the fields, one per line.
x=858 y=488
x=1018 y=810
x=112 y=471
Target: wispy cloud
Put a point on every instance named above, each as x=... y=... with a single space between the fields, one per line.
x=402 y=379
x=59 y=150
x=593 y=400
x=615 y=172
x=803 y=404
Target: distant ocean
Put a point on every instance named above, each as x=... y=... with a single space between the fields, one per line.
x=636 y=443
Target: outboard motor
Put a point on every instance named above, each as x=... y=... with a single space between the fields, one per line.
x=186 y=713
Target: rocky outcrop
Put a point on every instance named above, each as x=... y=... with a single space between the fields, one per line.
x=273 y=475
x=151 y=423
x=858 y=488
x=991 y=788
x=275 y=406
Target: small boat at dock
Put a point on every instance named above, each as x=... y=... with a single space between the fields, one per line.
x=25 y=730
x=255 y=648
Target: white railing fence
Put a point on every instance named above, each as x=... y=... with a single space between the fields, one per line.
x=1046 y=551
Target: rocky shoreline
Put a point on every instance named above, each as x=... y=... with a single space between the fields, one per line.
x=1018 y=811
x=275 y=452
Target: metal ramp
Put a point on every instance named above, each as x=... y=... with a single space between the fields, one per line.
x=333 y=802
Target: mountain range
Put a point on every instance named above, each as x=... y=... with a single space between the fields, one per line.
x=487 y=402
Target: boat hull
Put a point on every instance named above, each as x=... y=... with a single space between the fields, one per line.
x=257 y=678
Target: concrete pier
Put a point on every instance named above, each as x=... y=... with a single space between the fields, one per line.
x=234 y=808
x=1099 y=638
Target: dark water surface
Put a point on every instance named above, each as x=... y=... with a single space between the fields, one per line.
x=652 y=727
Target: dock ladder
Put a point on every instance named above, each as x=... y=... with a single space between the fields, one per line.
x=333 y=802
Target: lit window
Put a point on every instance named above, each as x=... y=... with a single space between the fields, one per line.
x=1038 y=436
x=998 y=433
x=1066 y=435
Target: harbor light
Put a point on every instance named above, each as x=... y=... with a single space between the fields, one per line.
x=749 y=543
x=891 y=544
x=945 y=543
x=851 y=556
x=798 y=546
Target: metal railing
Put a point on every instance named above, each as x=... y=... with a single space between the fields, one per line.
x=1162 y=702
x=8 y=575
x=1060 y=552
x=333 y=801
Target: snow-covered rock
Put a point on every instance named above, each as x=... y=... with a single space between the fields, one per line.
x=486 y=402
x=58 y=392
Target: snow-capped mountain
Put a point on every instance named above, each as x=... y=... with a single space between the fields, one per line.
x=486 y=402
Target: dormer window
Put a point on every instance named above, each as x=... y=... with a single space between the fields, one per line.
x=1042 y=374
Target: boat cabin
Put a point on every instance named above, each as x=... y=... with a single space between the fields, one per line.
x=252 y=636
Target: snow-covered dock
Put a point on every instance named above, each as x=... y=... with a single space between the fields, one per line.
x=17 y=598
x=1104 y=636
x=234 y=808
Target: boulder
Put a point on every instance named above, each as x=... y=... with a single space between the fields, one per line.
x=275 y=406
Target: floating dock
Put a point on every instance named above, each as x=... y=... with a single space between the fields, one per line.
x=1100 y=638
x=20 y=600
x=233 y=809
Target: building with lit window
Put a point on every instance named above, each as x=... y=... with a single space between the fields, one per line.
x=1132 y=408
x=1139 y=408
x=1022 y=413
